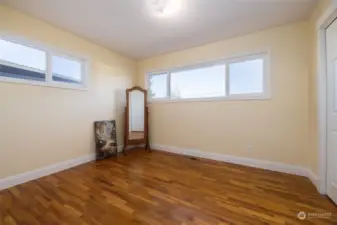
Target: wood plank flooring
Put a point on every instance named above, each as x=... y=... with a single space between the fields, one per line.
x=160 y=188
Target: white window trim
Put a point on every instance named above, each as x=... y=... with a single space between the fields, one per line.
x=266 y=94
x=50 y=51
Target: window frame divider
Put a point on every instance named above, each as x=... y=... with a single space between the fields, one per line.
x=49 y=64
x=169 y=85
x=227 y=86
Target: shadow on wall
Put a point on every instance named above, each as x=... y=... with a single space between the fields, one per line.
x=120 y=101
x=110 y=84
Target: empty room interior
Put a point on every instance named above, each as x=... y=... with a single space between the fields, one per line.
x=164 y=112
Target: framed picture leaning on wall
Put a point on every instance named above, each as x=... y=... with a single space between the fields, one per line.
x=105 y=139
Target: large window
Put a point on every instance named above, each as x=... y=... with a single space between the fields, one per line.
x=35 y=65
x=244 y=78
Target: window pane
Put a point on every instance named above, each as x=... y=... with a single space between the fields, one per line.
x=22 y=55
x=66 y=70
x=22 y=62
x=246 y=77
x=198 y=83
x=158 y=86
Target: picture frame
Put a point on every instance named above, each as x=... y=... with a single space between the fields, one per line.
x=105 y=139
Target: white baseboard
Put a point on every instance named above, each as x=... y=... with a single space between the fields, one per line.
x=315 y=180
x=262 y=164
x=45 y=171
x=279 y=167
x=35 y=174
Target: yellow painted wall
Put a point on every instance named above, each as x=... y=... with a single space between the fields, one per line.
x=277 y=129
x=40 y=126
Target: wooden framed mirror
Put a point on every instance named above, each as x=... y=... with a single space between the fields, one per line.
x=136 y=118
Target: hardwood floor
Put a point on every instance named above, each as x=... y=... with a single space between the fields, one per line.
x=159 y=188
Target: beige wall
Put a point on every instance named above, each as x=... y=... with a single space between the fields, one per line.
x=277 y=129
x=40 y=126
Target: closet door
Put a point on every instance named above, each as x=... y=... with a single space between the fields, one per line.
x=331 y=40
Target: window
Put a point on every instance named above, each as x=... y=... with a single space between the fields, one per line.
x=198 y=83
x=244 y=78
x=66 y=70
x=41 y=66
x=158 y=86
x=18 y=61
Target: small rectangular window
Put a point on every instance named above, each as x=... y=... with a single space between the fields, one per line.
x=158 y=86
x=22 y=62
x=246 y=77
x=66 y=70
x=243 y=78
x=28 y=64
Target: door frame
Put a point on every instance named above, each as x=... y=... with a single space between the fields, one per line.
x=321 y=78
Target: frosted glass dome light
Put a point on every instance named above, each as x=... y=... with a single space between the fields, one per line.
x=165 y=8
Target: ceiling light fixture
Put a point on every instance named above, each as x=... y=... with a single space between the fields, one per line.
x=165 y=8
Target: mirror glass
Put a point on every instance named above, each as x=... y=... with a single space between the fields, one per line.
x=136 y=115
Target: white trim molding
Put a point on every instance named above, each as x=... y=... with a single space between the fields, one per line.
x=262 y=164
x=54 y=168
x=44 y=171
x=321 y=77
x=328 y=16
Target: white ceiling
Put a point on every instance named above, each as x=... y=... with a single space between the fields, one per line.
x=126 y=27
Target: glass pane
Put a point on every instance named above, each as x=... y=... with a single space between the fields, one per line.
x=158 y=86
x=16 y=54
x=21 y=62
x=14 y=72
x=246 y=77
x=66 y=70
x=198 y=83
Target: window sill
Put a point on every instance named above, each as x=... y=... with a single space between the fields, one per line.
x=43 y=84
x=214 y=99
